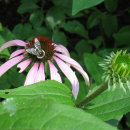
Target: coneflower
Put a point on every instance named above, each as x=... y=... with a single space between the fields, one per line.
x=41 y=51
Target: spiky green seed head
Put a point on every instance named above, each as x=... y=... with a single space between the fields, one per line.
x=117 y=70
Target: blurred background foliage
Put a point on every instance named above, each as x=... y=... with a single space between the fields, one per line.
x=90 y=34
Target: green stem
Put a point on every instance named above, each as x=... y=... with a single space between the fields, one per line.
x=101 y=89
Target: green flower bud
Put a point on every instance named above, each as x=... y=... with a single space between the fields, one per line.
x=117 y=70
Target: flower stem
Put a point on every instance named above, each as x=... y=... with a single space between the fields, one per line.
x=101 y=89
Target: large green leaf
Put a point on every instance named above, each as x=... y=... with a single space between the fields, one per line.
x=48 y=89
x=110 y=104
x=40 y=113
x=79 y=5
x=91 y=62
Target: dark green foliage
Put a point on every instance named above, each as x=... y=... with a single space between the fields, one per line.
x=90 y=30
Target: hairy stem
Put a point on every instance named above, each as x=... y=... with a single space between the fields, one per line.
x=101 y=89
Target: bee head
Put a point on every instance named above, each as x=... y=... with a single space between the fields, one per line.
x=41 y=54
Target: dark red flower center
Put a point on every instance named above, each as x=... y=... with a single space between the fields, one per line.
x=46 y=45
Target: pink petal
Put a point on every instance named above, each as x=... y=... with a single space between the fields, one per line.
x=54 y=72
x=7 y=65
x=23 y=65
x=76 y=65
x=13 y=43
x=62 y=49
x=70 y=75
x=40 y=74
x=83 y=73
x=68 y=60
x=30 y=79
x=17 y=53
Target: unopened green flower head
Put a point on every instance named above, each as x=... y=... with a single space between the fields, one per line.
x=117 y=69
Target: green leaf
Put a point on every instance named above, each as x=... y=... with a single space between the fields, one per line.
x=110 y=5
x=82 y=47
x=122 y=36
x=6 y=34
x=106 y=52
x=1 y=28
x=91 y=62
x=54 y=17
x=96 y=42
x=79 y=5
x=109 y=24
x=124 y=29
x=27 y=7
x=36 y=18
x=40 y=31
x=4 y=84
x=94 y=19
x=14 y=78
x=64 y=5
x=5 y=51
x=114 y=122
x=110 y=104
x=29 y=1
x=48 y=89
x=40 y=113
x=22 y=31
x=75 y=27
x=128 y=119
x=59 y=38
x=83 y=90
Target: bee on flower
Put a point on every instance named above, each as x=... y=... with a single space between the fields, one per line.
x=39 y=51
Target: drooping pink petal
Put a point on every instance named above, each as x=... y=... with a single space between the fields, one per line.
x=83 y=73
x=54 y=72
x=23 y=65
x=69 y=74
x=10 y=63
x=17 y=53
x=68 y=60
x=40 y=74
x=30 y=79
x=62 y=49
x=13 y=43
x=76 y=65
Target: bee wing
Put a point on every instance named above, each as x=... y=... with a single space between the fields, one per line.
x=37 y=44
x=32 y=51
